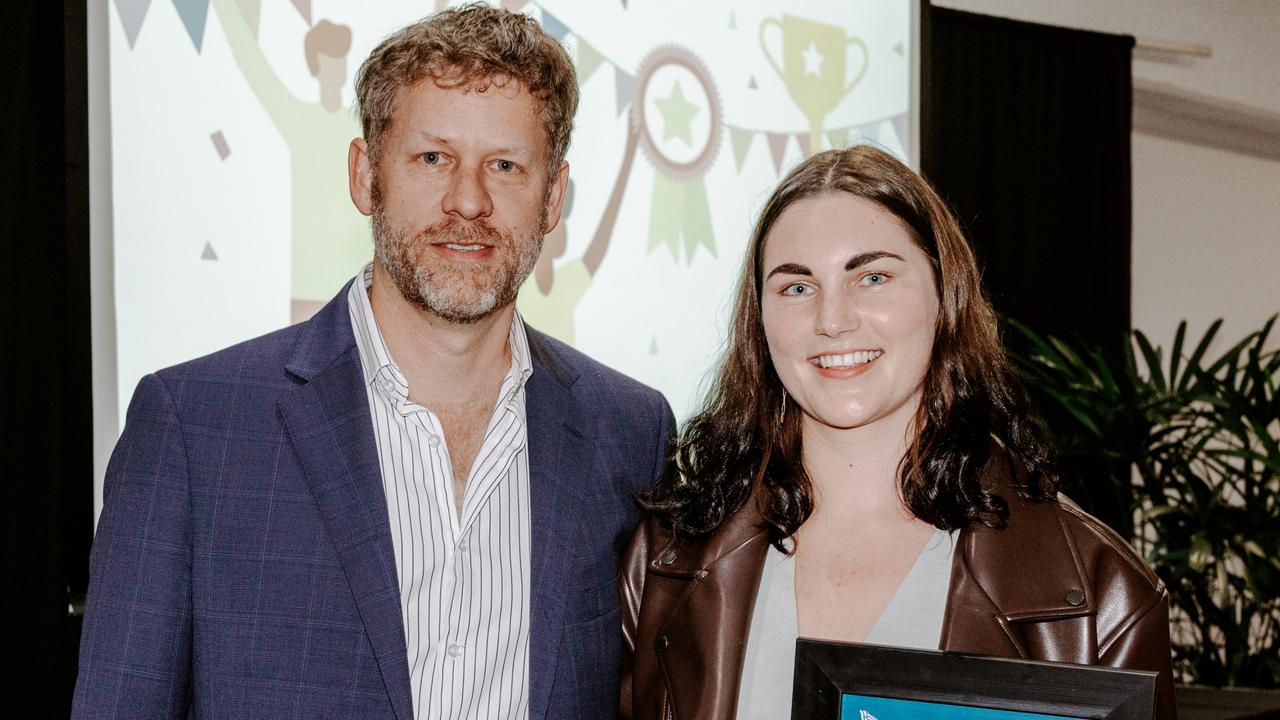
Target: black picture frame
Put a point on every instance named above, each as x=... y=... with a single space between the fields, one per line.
x=825 y=672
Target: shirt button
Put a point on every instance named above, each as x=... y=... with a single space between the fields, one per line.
x=433 y=440
x=463 y=546
x=455 y=650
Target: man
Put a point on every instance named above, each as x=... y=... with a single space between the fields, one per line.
x=410 y=505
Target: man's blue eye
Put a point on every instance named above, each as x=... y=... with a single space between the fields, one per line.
x=506 y=165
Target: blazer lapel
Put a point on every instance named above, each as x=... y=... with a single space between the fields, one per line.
x=327 y=419
x=558 y=459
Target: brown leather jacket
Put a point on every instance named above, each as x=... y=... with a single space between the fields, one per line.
x=1054 y=585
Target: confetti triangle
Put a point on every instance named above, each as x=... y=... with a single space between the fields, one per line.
x=251 y=11
x=898 y=49
x=220 y=144
x=777 y=148
x=132 y=13
x=588 y=61
x=653 y=345
x=193 y=14
x=304 y=9
x=622 y=83
x=208 y=253
x=733 y=21
x=740 y=140
x=751 y=83
x=553 y=26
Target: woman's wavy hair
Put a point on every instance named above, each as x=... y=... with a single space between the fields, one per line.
x=746 y=439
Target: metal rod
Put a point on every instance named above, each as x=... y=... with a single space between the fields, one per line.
x=1173 y=47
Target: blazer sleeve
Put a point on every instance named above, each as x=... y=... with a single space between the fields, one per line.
x=135 y=648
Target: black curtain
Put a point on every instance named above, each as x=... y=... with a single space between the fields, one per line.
x=46 y=490
x=1025 y=131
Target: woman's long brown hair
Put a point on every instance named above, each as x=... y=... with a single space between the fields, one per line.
x=746 y=439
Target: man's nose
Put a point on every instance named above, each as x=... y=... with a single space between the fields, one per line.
x=467 y=197
x=837 y=314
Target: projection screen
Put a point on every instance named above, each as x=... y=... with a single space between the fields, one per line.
x=226 y=125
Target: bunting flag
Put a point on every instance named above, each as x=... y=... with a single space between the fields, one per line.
x=804 y=141
x=899 y=123
x=513 y=5
x=777 y=148
x=622 y=83
x=208 y=253
x=304 y=9
x=741 y=141
x=589 y=60
x=132 y=13
x=251 y=11
x=553 y=26
x=193 y=14
x=838 y=137
x=751 y=83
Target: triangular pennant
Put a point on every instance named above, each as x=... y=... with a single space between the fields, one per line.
x=653 y=345
x=802 y=139
x=251 y=11
x=208 y=253
x=193 y=14
x=751 y=83
x=838 y=137
x=304 y=9
x=733 y=21
x=777 y=148
x=622 y=83
x=132 y=13
x=513 y=5
x=553 y=26
x=220 y=144
x=740 y=140
x=900 y=127
x=588 y=61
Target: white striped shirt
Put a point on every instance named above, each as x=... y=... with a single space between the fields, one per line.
x=464 y=582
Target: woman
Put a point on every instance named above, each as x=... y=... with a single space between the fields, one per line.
x=865 y=469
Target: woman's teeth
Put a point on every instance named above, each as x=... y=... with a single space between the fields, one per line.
x=862 y=357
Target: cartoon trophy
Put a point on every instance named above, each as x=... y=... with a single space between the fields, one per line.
x=813 y=66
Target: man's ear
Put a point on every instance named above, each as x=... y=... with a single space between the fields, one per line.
x=555 y=198
x=360 y=175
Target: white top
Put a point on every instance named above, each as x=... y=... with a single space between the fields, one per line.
x=913 y=618
x=464 y=582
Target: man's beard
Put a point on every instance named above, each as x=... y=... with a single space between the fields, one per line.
x=463 y=292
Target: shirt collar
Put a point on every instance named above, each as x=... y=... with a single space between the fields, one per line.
x=375 y=359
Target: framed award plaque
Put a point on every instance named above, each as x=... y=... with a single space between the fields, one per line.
x=847 y=681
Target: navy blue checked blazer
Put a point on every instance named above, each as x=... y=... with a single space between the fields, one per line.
x=243 y=564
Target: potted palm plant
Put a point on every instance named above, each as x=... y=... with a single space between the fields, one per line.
x=1192 y=442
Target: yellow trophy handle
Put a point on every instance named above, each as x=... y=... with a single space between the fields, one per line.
x=765 y=48
x=866 y=62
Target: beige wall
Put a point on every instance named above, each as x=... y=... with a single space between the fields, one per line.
x=1206 y=222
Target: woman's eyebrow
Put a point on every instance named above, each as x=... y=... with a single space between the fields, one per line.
x=861 y=259
x=789 y=269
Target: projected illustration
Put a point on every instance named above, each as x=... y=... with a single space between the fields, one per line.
x=231 y=121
